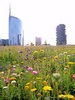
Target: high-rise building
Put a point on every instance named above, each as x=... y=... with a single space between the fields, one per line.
x=38 y=41
x=60 y=34
x=15 y=30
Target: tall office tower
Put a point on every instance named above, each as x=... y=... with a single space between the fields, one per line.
x=15 y=29
x=60 y=34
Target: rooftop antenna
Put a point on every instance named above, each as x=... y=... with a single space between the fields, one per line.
x=9 y=9
x=9 y=16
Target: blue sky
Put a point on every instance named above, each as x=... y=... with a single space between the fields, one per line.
x=40 y=18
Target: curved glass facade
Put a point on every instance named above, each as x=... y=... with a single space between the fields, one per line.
x=15 y=30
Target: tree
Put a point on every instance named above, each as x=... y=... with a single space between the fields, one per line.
x=45 y=43
x=60 y=34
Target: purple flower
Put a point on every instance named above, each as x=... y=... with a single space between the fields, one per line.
x=25 y=66
x=35 y=72
x=26 y=58
x=26 y=55
x=0 y=67
x=6 y=80
x=30 y=68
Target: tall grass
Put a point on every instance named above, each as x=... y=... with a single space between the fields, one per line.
x=37 y=73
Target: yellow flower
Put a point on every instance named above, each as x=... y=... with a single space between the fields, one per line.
x=71 y=63
x=35 y=52
x=47 y=88
x=33 y=90
x=56 y=57
x=22 y=62
x=44 y=58
x=26 y=87
x=38 y=78
x=67 y=66
x=45 y=83
x=69 y=96
x=66 y=96
x=29 y=84
x=61 y=96
x=41 y=50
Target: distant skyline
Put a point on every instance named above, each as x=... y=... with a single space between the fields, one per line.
x=40 y=18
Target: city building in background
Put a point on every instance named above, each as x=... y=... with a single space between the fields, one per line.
x=37 y=41
x=60 y=34
x=16 y=35
x=4 y=42
x=22 y=38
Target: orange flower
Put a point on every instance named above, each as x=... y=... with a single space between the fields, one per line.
x=73 y=98
x=12 y=78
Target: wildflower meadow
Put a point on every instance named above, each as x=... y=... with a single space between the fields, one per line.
x=37 y=72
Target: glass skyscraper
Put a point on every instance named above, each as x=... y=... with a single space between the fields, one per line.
x=15 y=30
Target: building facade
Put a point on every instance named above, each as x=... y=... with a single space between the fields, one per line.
x=4 y=42
x=60 y=34
x=38 y=41
x=15 y=30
